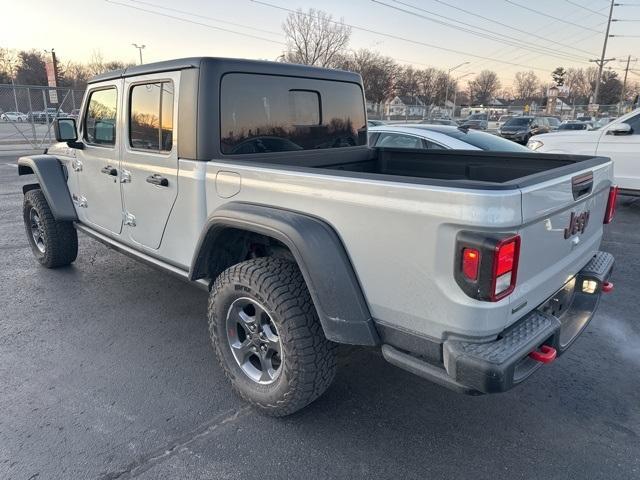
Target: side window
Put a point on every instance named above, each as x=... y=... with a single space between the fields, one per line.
x=634 y=122
x=151 y=117
x=100 y=118
x=432 y=146
x=397 y=140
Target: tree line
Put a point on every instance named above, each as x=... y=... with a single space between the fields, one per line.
x=27 y=67
x=315 y=38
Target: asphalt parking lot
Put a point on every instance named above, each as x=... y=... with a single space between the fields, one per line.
x=106 y=372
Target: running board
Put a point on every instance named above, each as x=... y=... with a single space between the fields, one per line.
x=141 y=257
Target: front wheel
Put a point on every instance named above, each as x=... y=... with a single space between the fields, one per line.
x=54 y=243
x=267 y=336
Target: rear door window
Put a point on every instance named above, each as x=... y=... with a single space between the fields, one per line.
x=151 y=117
x=265 y=113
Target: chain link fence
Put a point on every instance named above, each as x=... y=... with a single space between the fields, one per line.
x=27 y=114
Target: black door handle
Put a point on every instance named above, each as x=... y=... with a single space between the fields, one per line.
x=109 y=170
x=157 y=179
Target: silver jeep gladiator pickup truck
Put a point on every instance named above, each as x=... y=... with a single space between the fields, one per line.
x=254 y=180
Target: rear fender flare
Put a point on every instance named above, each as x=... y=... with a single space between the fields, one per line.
x=320 y=255
x=52 y=180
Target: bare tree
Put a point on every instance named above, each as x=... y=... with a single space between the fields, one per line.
x=378 y=72
x=577 y=84
x=314 y=38
x=484 y=86
x=526 y=85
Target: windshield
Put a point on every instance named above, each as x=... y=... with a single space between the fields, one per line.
x=573 y=126
x=602 y=122
x=518 y=122
x=477 y=116
x=485 y=141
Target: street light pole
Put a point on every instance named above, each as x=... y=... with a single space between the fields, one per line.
x=139 y=47
x=455 y=93
x=446 y=91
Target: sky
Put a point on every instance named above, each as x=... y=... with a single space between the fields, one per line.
x=250 y=29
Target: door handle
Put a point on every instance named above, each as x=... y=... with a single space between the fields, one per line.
x=109 y=170
x=157 y=179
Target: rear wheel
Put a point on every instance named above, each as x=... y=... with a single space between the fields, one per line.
x=267 y=336
x=54 y=243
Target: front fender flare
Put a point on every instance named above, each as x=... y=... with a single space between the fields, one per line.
x=53 y=183
x=321 y=257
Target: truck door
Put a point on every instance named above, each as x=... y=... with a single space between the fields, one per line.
x=98 y=199
x=149 y=156
x=623 y=150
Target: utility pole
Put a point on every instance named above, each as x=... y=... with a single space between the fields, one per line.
x=624 y=83
x=601 y=63
x=140 y=47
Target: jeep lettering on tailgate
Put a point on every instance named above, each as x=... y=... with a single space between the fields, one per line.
x=577 y=224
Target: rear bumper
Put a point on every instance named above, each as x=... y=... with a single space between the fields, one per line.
x=501 y=364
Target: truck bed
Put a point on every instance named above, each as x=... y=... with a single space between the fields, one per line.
x=479 y=169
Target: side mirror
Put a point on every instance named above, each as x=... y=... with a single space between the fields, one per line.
x=620 y=129
x=65 y=130
x=105 y=132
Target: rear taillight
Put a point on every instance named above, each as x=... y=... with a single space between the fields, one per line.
x=610 y=212
x=505 y=267
x=470 y=263
x=486 y=265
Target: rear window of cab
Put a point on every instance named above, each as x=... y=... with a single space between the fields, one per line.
x=266 y=113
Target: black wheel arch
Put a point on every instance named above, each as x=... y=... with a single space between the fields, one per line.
x=52 y=180
x=319 y=253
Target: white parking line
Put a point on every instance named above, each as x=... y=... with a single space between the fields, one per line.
x=9 y=165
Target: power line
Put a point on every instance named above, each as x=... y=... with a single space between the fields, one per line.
x=585 y=8
x=518 y=43
x=502 y=24
x=196 y=23
x=398 y=37
x=205 y=17
x=551 y=16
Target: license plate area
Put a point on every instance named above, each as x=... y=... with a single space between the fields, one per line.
x=561 y=301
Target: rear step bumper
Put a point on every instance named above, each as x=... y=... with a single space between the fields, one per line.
x=499 y=365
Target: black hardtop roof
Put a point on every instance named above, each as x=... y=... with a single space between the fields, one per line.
x=231 y=65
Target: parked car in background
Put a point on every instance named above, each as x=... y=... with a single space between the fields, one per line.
x=439 y=121
x=74 y=113
x=442 y=137
x=14 y=117
x=521 y=129
x=47 y=115
x=574 y=125
x=477 y=121
x=502 y=120
x=619 y=140
x=554 y=123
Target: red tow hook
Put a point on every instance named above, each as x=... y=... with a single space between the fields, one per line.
x=546 y=354
x=607 y=287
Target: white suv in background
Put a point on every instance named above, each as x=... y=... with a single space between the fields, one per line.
x=619 y=140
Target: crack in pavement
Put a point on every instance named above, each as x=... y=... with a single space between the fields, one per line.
x=145 y=462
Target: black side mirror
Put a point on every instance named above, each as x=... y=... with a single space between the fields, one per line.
x=105 y=132
x=65 y=130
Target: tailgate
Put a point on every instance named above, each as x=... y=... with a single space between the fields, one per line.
x=562 y=229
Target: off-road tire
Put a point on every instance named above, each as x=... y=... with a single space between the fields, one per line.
x=60 y=239
x=308 y=360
